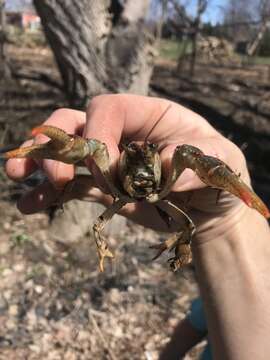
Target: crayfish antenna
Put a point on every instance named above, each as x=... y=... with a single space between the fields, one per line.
x=156 y=123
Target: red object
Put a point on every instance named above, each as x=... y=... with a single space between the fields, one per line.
x=30 y=19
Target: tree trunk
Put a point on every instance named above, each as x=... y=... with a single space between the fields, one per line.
x=99 y=46
x=253 y=46
x=201 y=7
x=183 y=52
x=163 y=16
x=4 y=69
x=192 y=28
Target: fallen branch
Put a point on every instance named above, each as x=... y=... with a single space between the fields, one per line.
x=100 y=335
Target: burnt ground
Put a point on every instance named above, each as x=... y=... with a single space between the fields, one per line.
x=53 y=302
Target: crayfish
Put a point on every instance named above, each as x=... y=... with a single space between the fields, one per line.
x=140 y=179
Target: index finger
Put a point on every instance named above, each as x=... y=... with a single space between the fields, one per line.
x=112 y=118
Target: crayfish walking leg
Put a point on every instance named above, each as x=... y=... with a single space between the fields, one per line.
x=180 y=242
x=102 y=220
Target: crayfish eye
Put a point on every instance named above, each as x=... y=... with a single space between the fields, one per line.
x=131 y=148
x=153 y=146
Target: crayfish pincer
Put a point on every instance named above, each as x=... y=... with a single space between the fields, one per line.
x=140 y=179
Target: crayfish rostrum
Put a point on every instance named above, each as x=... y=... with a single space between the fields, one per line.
x=140 y=179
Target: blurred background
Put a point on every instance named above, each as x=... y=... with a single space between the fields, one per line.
x=211 y=56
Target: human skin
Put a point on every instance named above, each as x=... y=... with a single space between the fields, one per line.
x=231 y=248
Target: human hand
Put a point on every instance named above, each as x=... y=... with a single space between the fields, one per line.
x=114 y=118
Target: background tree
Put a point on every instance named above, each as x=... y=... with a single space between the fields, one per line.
x=4 y=69
x=162 y=17
x=237 y=18
x=201 y=7
x=263 y=9
x=247 y=20
x=190 y=27
x=99 y=46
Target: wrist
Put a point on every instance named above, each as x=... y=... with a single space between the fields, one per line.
x=232 y=271
x=242 y=239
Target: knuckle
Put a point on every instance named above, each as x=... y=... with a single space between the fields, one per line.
x=235 y=157
x=104 y=99
x=97 y=100
x=62 y=112
x=59 y=114
x=238 y=154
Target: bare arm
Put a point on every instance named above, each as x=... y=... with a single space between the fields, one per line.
x=233 y=274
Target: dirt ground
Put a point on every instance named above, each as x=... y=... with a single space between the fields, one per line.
x=53 y=302
x=235 y=100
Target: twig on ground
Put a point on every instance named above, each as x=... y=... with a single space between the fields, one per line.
x=100 y=335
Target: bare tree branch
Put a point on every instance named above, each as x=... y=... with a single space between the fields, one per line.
x=191 y=27
x=264 y=13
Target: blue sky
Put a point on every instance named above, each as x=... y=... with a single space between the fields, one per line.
x=16 y=4
x=213 y=12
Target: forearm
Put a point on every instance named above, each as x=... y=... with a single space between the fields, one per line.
x=233 y=273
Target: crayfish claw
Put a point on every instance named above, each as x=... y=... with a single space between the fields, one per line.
x=250 y=198
x=217 y=174
x=39 y=151
x=62 y=147
x=59 y=137
x=224 y=178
